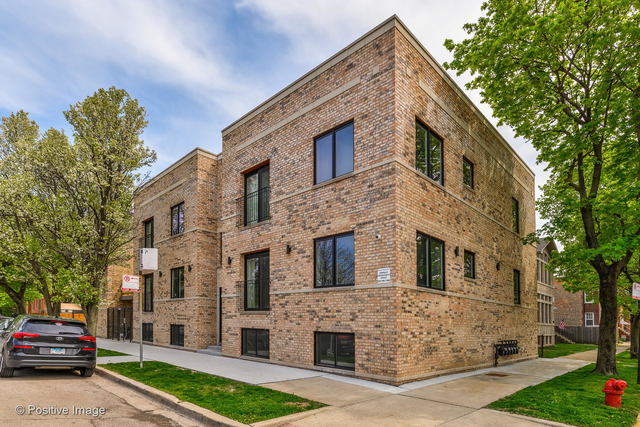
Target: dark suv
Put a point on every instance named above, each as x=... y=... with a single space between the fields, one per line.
x=37 y=341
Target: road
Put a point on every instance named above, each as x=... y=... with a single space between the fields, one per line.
x=66 y=395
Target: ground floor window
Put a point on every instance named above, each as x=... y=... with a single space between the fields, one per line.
x=255 y=342
x=177 y=335
x=589 y=319
x=336 y=350
x=147 y=332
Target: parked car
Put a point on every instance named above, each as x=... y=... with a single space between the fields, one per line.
x=43 y=341
x=4 y=322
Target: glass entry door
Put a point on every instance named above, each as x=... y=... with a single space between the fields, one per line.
x=256 y=288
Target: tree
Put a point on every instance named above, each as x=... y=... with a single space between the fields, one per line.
x=565 y=75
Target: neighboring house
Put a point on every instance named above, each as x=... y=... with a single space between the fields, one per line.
x=546 y=329
x=365 y=220
x=575 y=308
x=115 y=310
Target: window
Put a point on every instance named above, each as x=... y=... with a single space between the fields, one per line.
x=429 y=153
x=334 y=153
x=256 y=283
x=255 y=342
x=545 y=309
x=147 y=332
x=147 y=302
x=256 y=196
x=148 y=233
x=469 y=265
x=515 y=215
x=586 y=299
x=467 y=172
x=177 y=335
x=177 y=282
x=589 y=318
x=177 y=219
x=335 y=261
x=516 y=287
x=336 y=350
x=430 y=261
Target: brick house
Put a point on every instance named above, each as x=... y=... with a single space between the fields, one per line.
x=575 y=308
x=365 y=220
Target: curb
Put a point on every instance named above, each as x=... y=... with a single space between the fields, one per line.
x=201 y=415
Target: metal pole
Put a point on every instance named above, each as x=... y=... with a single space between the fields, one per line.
x=632 y=343
x=140 y=306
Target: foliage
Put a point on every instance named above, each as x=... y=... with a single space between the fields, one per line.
x=560 y=350
x=103 y=352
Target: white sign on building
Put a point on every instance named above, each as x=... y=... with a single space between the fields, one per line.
x=130 y=283
x=635 y=293
x=148 y=259
x=384 y=275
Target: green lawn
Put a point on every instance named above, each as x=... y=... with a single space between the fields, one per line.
x=577 y=398
x=565 y=349
x=103 y=352
x=240 y=401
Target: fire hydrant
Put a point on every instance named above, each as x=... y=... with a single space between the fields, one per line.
x=613 y=391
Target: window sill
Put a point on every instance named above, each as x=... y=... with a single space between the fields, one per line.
x=177 y=299
x=468 y=187
x=333 y=180
x=470 y=279
x=426 y=288
x=257 y=312
x=247 y=227
x=321 y=288
x=431 y=180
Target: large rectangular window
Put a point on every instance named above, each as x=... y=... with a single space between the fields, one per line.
x=177 y=219
x=177 y=282
x=177 y=335
x=256 y=196
x=467 y=172
x=336 y=350
x=255 y=342
x=335 y=261
x=147 y=332
x=469 y=265
x=333 y=153
x=515 y=215
x=430 y=261
x=516 y=287
x=429 y=153
x=147 y=302
x=256 y=283
x=148 y=233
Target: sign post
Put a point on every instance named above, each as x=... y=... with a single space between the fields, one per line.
x=635 y=294
x=148 y=258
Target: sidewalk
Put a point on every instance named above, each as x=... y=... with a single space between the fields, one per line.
x=452 y=400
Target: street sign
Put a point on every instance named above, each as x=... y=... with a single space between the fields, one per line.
x=148 y=259
x=635 y=293
x=130 y=283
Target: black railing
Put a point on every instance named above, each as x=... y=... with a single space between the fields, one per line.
x=256 y=206
x=256 y=294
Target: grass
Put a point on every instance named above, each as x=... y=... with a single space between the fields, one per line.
x=103 y=352
x=559 y=350
x=577 y=398
x=240 y=401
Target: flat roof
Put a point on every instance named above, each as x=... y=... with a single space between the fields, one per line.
x=177 y=163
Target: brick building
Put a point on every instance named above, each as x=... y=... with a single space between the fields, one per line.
x=366 y=220
x=545 y=285
x=575 y=308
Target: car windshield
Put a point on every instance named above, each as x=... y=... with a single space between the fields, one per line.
x=52 y=327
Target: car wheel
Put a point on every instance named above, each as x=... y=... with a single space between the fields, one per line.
x=5 y=371
x=86 y=372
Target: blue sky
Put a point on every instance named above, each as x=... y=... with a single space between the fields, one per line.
x=196 y=65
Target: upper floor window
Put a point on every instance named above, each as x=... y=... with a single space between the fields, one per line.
x=256 y=283
x=256 y=195
x=469 y=265
x=515 y=215
x=429 y=153
x=177 y=219
x=334 y=153
x=430 y=261
x=516 y=287
x=177 y=282
x=148 y=233
x=147 y=302
x=335 y=261
x=467 y=172
x=587 y=300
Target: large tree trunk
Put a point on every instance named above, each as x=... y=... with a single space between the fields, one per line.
x=53 y=308
x=16 y=296
x=606 y=362
x=635 y=335
x=91 y=314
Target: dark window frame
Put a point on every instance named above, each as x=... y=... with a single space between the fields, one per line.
x=334 y=337
x=244 y=336
x=429 y=275
x=264 y=284
x=473 y=264
x=334 y=267
x=147 y=301
x=515 y=215
x=467 y=162
x=428 y=165
x=179 y=210
x=262 y=194
x=148 y=233
x=517 y=287
x=176 y=332
x=333 y=132
x=147 y=332
x=180 y=291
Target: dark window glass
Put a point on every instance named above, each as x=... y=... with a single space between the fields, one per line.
x=515 y=215
x=47 y=327
x=256 y=196
x=255 y=342
x=256 y=285
x=177 y=219
x=334 y=153
x=469 y=265
x=467 y=172
x=147 y=302
x=177 y=335
x=430 y=261
x=516 y=287
x=177 y=282
x=336 y=350
x=429 y=153
x=147 y=332
x=335 y=260
x=148 y=233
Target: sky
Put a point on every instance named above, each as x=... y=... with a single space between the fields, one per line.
x=198 y=65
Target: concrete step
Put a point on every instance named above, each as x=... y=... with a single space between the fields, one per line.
x=214 y=350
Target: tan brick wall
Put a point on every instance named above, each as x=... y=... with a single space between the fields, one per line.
x=568 y=306
x=112 y=294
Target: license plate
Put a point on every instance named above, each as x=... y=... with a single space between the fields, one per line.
x=56 y=351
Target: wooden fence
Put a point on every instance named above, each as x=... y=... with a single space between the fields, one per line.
x=581 y=334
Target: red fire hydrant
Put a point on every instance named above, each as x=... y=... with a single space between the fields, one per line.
x=613 y=391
